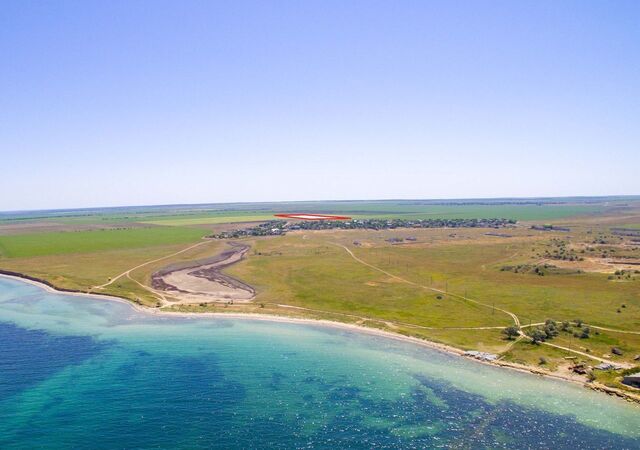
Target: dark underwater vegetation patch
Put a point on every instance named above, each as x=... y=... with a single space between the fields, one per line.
x=28 y=357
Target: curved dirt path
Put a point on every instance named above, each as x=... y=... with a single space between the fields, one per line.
x=588 y=355
x=611 y=329
x=128 y=272
x=159 y=295
x=515 y=318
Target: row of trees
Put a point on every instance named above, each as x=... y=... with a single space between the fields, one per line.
x=549 y=330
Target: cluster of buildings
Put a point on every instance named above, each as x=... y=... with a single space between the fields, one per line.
x=389 y=224
x=269 y=228
x=278 y=227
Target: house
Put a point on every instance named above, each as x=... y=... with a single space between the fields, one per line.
x=632 y=380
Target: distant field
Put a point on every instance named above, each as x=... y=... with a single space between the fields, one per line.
x=367 y=210
x=518 y=212
x=216 y=214
x=205 y=220
x=40 y=244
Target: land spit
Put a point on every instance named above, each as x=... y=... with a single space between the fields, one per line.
x=203 y=280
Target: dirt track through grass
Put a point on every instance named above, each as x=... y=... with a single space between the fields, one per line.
x=127 y=272
x=515 y=318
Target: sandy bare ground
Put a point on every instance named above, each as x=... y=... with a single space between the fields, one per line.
x=204 y=281
x=593 y=264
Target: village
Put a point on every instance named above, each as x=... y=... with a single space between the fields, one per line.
x=279 y=227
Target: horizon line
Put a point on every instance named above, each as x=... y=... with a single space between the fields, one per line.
x=459 y=199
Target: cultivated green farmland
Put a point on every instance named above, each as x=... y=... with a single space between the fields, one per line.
x=56 y=243
x=209 y=220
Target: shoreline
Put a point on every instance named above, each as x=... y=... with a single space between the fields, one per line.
x=444 y=348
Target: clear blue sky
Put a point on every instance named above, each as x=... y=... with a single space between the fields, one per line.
x=129 y=102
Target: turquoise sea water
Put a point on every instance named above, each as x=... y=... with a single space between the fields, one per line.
x=78 y=372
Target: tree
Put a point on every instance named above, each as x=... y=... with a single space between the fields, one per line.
x=550 y=329
x=538 y=336
x=585 y=333
x=511 y=332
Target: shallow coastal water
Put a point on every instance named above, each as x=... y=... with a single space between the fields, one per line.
x=90 y=373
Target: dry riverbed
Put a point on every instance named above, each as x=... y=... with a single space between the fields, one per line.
x=203 y=281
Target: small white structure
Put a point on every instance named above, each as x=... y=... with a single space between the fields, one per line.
x=483 y=356
x=607 y=366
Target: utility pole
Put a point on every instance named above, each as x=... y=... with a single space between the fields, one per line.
x=571 y=341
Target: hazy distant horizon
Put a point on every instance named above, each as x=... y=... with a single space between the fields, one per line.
x=434 y=201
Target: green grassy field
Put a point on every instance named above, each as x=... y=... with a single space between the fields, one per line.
x=210 y=220
x=311 y=272
x=58 y=243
